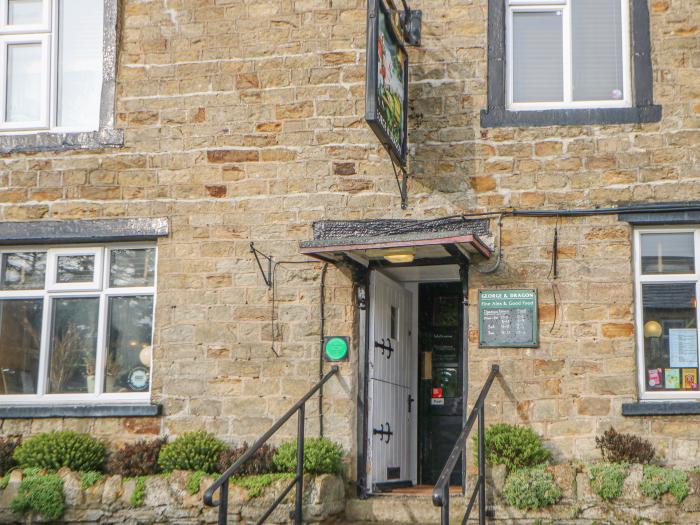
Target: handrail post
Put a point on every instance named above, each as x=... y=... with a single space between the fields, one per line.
x=300 y=468
x=223 y=503
x=482 y=467
x=445 y=509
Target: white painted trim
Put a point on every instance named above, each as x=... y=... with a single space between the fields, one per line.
x=48 y=34
x=639 y=280
x=567 y=102
x=87 y=290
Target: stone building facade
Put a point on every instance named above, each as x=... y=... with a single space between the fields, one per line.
x=242 y=122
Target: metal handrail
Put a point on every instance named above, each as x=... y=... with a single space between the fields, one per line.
x=441 y=491
x=222 y=483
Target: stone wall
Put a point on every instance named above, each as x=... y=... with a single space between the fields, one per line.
x=243 y=121
x=167 y=500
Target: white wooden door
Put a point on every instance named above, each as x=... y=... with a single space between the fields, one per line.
x=391 y=371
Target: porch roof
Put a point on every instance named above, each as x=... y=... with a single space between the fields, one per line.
x=437 y=241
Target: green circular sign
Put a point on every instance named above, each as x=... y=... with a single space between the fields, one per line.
x=336 y=348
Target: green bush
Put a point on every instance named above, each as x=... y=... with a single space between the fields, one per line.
x=42 y=494
x=513 y=446
x=607 y=479
x=531 y=488
x=658 y=481
x=193 y=481
x=321 y=456
x=88 y=479
x=192 y=451
x=53 y=450
x=256 y=483
x=139 y=494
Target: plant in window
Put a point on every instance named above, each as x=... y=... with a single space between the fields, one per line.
x=66 y=356
x=112 y=370
x=53 y=450
x=624 y=448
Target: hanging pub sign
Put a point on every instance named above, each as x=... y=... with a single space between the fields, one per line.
x=508 y=318
x=386 y=84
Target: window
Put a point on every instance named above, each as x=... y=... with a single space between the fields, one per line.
x=51 y=62
x=568 y=54
x=569 y=62
x=667 y=277
x=76 y=323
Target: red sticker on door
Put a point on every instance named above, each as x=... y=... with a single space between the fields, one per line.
x=437 y=392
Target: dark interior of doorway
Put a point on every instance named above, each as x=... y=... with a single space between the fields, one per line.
x=441 y=378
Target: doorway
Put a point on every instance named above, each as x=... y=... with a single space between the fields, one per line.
x=440 y=398
x=415 y=376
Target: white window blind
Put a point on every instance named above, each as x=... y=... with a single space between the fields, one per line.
x=537 y=56
x=597 y=50
x=567 y=54
x=79 y=63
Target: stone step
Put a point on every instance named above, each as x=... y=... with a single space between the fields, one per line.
x=408 y=509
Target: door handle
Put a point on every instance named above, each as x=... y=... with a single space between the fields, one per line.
x=410 y=402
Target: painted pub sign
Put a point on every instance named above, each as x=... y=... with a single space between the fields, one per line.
x=386 y=93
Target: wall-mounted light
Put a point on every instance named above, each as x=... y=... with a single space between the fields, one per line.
x=403 y=255
x=653 y=329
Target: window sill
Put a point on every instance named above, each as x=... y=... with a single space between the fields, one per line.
x=49 y=141
x=661 y=408
x=500 y=117
x=45 y=411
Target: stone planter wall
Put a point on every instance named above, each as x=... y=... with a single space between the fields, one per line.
x=581 y=506
x=168 y=501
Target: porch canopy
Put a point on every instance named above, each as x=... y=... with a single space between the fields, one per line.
x=398 y=242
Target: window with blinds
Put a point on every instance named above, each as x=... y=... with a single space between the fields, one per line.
x=568 y=54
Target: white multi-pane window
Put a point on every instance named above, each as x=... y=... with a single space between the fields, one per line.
x=567 y=54
x=76 y=323
x=51 y=65
x=667 y=275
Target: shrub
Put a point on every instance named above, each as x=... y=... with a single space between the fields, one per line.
x=607 y=479
x=513 y=446
x=88 y=479
x=624 y=448
x=321 y=456
x=658 y=481
x=7 y=449
x=139 y=495
x=193 y=481
x=256 y=483
x=531 y=488
x=259 y=463
x=53 y=450
x=192 y=451
x=136 y=459
x=42 y=494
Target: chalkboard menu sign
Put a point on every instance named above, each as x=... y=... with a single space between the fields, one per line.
x=508 y=318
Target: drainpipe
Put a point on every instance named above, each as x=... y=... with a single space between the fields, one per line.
x=322 y=322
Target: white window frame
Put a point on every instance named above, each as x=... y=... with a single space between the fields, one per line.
x=47 y=33
x=639 y=280
x=103 y=292
x=52 y=283
x=568 y=103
